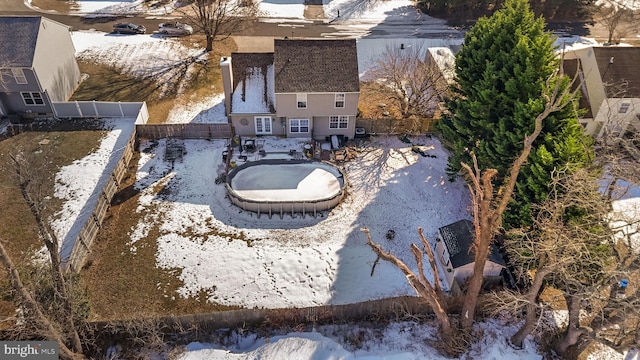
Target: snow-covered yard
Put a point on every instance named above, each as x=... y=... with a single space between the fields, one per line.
x=300 y=261
x=283 y=262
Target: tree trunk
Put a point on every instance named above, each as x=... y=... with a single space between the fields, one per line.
x=424 y=290
x=27 y=182
x=485 y=225
x=573 y=332
x=30 y=303
x=530 y=320
x=209 y=42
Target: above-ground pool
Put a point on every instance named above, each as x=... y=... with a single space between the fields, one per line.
x=286 y=186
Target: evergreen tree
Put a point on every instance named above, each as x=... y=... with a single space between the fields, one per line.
x=501 y=72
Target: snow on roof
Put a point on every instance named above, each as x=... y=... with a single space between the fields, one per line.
x=445 y=60
x=255 y=94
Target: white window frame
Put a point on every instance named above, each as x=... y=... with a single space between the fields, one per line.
x=338 y=121
x=35 y=98
x=339 y=98
x=263 y=125
x=444 y=257
x=624 y=107
x=18 y=75
x=301 y=101
x=296 y=126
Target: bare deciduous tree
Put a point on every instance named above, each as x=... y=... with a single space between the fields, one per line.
x=616 y=17
x=28 y=177
x=415 y=84
x=567 y=245
x=431 y=292
x=218 y=19
x=32 y=308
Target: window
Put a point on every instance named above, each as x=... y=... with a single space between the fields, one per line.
x=18 y=74
x=263 y=125
x=32 y=98
x=299 y=125
x=338 y=122
x=301 y=99
x=444 y=257
x=339 y=100
x=624 y=107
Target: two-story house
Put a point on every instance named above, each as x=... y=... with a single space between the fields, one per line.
x=304 y=88
x=37 y=65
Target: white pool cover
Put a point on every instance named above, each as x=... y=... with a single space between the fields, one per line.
x=287 y=182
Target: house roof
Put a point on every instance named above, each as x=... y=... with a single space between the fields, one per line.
x=253 y=78
x=619 y=69
x=303 y=66
x=458 y=238
x=18 y=36
x=445 y=60
x=571 y=67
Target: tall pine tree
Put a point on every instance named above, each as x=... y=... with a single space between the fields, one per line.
x=501 y=72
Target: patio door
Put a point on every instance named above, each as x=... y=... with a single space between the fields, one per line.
x=263 y=125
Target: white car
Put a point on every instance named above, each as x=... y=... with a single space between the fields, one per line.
x=175 y=28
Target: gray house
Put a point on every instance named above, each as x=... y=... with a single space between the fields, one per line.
x=37 y=65
x=305 y=88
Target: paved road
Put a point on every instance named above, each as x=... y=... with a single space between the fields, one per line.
x=296 y=28
x=265 y=27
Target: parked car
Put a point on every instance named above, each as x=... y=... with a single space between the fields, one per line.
x=175 y=28
x=129 y=28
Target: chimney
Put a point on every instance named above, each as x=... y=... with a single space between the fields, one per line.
x=227 y=82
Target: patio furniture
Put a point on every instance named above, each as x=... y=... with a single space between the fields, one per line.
x=249 y=145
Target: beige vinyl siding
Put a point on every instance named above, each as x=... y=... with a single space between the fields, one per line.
x=58 y=75
x=318 y=104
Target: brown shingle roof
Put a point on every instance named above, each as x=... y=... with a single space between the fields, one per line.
x=620 y=70
x=243 y=62
x=303 y=66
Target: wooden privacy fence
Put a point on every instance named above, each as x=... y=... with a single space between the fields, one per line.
x=397 y=126
x=184 y=131
x=399 y=308
x=86 y=236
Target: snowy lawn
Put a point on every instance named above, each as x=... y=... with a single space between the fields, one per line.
x=300 y=261
x=358 y=10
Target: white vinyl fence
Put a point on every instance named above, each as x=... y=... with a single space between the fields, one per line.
x=101 y=109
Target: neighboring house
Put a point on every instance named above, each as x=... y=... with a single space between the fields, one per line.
x=452 y=250
x=37 y=64
x=304 y=88
x=444 y=62
x=609 y=78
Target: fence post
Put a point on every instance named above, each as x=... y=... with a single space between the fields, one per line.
x=79 y=109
